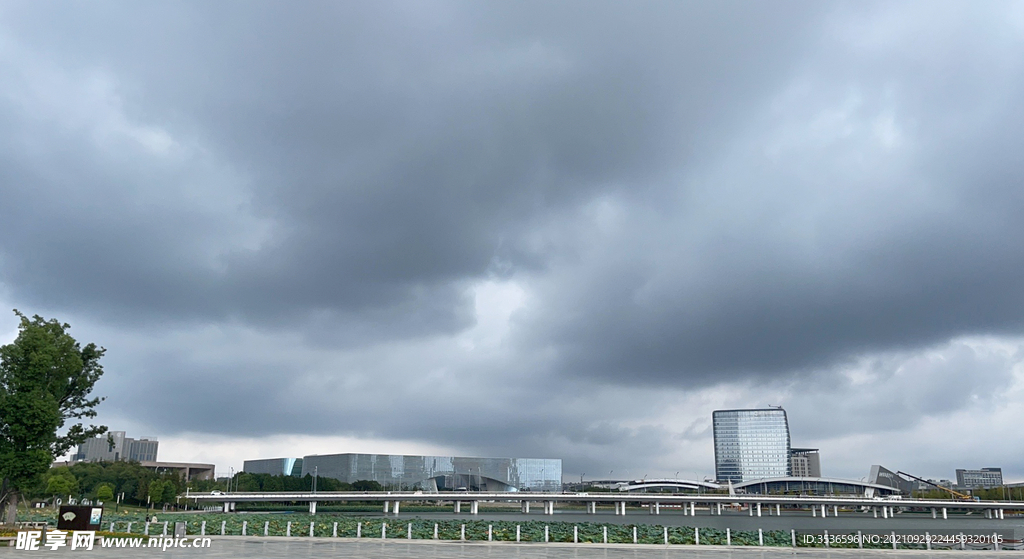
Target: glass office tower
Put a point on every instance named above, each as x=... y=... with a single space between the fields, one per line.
x=751 y=444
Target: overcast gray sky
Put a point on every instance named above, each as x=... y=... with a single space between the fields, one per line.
x=547 y=229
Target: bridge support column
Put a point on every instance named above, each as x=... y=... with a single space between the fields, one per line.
x=719 y=509
x=835 y=511
x=934 y=513
x=458 y=507
x=944 y=517
x=814 y=510
x=396 y=507
x=226 y=506
x=778 y=509
x=759 y=510
x=989 y=513
x=474 y=507
x=885 y=512
x=525 y=505
x=312 y=507
x=693 y=509
x=824 y=511
x=1001 y=514
x=551 y=507
x=387 y=506
x=750 y=509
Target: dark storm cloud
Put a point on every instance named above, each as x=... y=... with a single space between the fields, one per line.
x=845 y=241
x=393 y=150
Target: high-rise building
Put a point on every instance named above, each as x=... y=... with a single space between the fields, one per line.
x=751 y=444
x=804 y=462
x=114 y=446
x=983 y=478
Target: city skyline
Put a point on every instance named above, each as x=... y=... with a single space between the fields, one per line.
x=568 y=229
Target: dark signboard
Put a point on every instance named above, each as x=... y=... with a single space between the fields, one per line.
x=79 y=518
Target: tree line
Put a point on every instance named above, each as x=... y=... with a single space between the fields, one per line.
x=248 y=482
x=106 y=482
x=141 y=486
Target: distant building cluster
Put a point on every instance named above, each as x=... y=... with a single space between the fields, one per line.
x=428 y=473
x=966 y=480
x=115 y=446
x=752 y=444
x=753 y=454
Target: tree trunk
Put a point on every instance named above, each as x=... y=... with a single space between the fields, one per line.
x=12 y=508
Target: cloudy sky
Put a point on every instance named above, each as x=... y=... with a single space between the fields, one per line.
x=545 y=229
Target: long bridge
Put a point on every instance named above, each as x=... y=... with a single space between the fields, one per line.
x=755 y=505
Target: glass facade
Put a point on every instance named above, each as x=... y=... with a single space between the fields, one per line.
x=751 y=444
x=440 y=473
x=273 y=466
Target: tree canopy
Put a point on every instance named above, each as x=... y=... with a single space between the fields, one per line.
x=46 y=378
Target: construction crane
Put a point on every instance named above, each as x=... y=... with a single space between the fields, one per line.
x=956 y=494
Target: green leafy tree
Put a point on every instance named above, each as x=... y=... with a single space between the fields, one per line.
x=366 y=485
x=46 y=378
x=105 y=493
x=62 y=484
x=156 y=491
